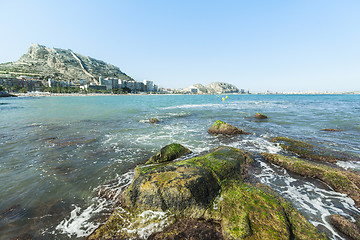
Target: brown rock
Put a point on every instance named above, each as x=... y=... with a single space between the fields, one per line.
x=220 y=127
x=260 y=116
x=154 y=120
x=345 y=226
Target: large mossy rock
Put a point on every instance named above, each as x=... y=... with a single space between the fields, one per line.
x=312 y=152
x=203 y=196
x=257 y=212
x=340 y=180
x=169 y=153
x=187 y=186
x=220 y=127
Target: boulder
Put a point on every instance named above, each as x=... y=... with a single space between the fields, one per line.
x=260 y=116
x=342 y=181
x=345 y=226
x=153 y=120
x=205 y=197
x=220 y=127
x=169 y=153
x=312 y=152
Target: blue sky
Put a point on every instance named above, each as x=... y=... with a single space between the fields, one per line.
x=260 y=45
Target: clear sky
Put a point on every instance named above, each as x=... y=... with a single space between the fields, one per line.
x=288 y=45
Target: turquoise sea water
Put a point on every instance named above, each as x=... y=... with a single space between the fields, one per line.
x=55 y=152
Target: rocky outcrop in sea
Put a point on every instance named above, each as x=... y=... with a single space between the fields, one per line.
x=205 y=197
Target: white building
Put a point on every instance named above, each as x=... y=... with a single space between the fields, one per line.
x=149 y=85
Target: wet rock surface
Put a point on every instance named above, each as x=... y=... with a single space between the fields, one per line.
x=350 y=229
x=342 y=181
x=220 y=127
x=190 y=229
x=169 y=153
x=206 y=195
x=260 y=116
x=312 y=152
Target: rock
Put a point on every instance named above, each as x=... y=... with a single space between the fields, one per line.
x=221 y=127
x=205 y=197
x=312 y=152
x=340 y=180
x=345 y=226
x=330 y=130
x=190 y=229
x=169 y=153
x=260 y=116
x=257 y=212
x=153 y=120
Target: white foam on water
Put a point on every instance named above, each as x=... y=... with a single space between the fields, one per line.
x=78 y=224
x=257 y=145
x=349 y=164
x=316 y=203
x=81 y=222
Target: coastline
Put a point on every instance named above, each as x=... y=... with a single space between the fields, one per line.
x=47 y=94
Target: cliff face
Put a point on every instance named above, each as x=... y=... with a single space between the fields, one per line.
x=60 y=64
x=214 y=88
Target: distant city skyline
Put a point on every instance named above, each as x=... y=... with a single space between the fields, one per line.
x=257 y=45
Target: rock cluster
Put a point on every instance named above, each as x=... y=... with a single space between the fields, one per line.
x=205 y=197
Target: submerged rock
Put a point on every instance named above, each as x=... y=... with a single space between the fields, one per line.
x=153 y=120
x=340 y=180
x=260 y=116
x=187 y=198
x=345 y=226
x=330 y=130
x=220 y=127
x=169 y=153
x=312 y=152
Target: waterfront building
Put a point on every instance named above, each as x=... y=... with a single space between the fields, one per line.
x=149 y=85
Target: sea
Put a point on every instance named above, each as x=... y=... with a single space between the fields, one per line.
x=57 y=152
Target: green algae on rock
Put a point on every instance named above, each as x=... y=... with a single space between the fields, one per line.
x=190 y=228
x=169 y=153
x=260 y=116
x=210 y=192
x=312 y=152
x=342 y=181
x=187 y=186
x=220 y=127
x=345 y=226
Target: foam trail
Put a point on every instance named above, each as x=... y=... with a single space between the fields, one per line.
x=316 y=203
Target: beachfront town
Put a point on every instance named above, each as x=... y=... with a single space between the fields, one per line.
x=102 y=85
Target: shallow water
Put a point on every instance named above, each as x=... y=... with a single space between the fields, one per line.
x=55 y=152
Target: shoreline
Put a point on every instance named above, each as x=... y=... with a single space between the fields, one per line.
x=47 y=94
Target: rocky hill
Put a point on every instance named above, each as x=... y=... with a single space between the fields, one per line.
x=214 y=88
x=59 y=64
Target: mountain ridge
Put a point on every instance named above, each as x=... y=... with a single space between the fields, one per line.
x=61 y=64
